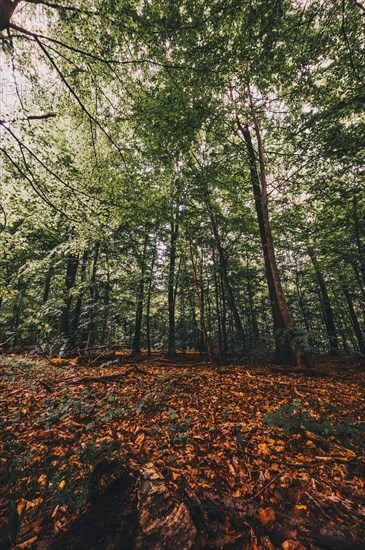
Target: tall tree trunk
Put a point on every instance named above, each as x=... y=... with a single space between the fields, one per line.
x=224 y=316
x=286 y=352
x=17 y=311
x=136 y=347
x=326 y=304
x=105 y=335
x=46 y=291
x=93 y=298
x=250 y=295
x=148 y=307
x=201 y=308
x=201 y=301
x=77 y=310
x=358 y=238
x=195 y=332
x=300 y=295
x=47 y=285
x=64 y=318
x=354 y=320
x=227 y=285
x=171 y=343
x=218 y=312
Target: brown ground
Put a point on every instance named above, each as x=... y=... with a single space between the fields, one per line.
x=202 y=432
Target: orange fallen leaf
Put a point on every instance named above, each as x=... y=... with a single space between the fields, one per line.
x=42 y=480
x=139 y=442
x=267 y=517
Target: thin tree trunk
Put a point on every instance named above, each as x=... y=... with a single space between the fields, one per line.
x=136 y=347
x=218 y=312
x=250 y=295
x=17 y=311
x=229 y=292
x=325 y=301
x=93 y=298
x=201 y=308
x=104 y=334
x=171 y=345
x=77 y=310
x=224 y=317
x=354 y=320
x=148 y=307
x=301 y=300
x=64 y=318
x=47 y=285
x=358 y=238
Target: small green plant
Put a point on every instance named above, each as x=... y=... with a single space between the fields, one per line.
x=292 y=418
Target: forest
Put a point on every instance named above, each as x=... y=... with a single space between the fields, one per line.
x=182 y=274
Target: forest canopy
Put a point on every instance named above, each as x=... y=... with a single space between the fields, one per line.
x=183 y=175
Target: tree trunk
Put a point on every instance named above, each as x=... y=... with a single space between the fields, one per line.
x=250 y=295
x=218 y=312
x=64 y=318
x=136 y=347
x=77 y=310
x=224 y=316
x=148 y=308
x=47 y=285
x=354 y=320
x=287 y=352
x=105 y=333
x=93 y=298
x=201 y=309
x=227 y=285
x=326 y=304
x=171 y=343
x=17 y=311
x=358 y=238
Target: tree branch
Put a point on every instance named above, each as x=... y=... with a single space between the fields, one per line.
x=33 y=186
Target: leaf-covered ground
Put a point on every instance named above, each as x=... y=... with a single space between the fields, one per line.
x=291 y=443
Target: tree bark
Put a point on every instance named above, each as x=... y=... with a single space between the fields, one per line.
x=286 y=352
x=227 y=285
x=201 y=309
x=77 y=310
x=218 y=312
x=358 y=238
x=64 y=318
x=326 y=304
x=171 y=345
x=93 y=298
x=224 y=316
x=354 y=320
x=136 y=347
x=148 y=308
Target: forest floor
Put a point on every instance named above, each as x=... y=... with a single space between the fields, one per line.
x=261 y=457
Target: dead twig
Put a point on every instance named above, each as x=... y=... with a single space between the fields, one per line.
x=264 y=488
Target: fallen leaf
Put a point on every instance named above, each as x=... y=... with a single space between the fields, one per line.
x=267 y=517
